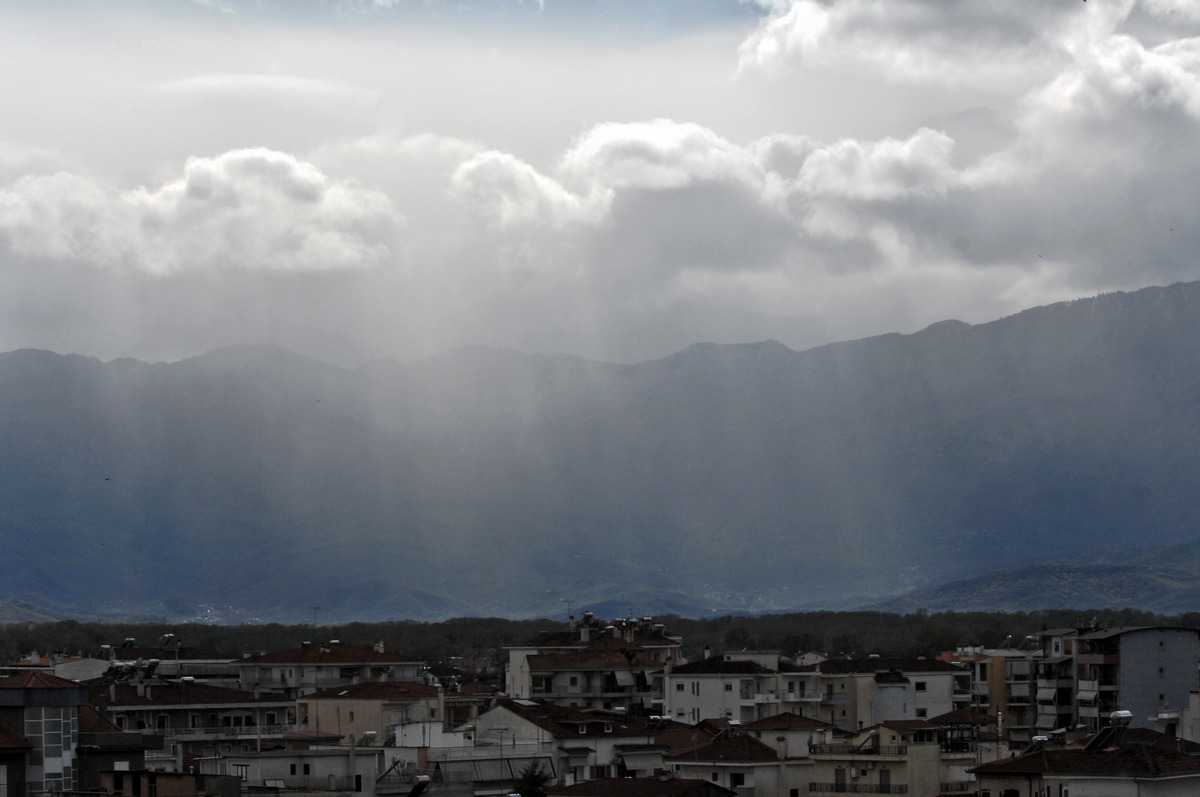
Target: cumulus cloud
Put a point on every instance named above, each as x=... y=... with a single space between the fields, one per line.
x=511 y=193
x=247 y=209
x=913 y=39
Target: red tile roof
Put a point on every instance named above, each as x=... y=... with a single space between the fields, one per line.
x=90 y=721
x=739 y=747
x=787 y=722
x=36 y=680
x=11 y=739
x=1136 y=761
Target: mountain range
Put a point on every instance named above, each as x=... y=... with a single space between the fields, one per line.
x=1046 y=459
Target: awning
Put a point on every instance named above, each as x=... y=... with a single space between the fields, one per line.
x=625 y=678
x=1086 y=696
x=1046 y=722
x=1046 y=694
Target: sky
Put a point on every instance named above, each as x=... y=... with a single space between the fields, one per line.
x=617 y=179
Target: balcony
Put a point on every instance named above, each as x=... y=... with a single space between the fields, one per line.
x=858 y=788
x=957 y=786
x=219 y=732
x=856 y=750
x=835 y=698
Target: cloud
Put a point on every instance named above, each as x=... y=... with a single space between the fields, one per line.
x=511 y=193
x=928 y=40
x=251 y=209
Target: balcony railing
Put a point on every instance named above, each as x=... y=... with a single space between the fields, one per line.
x=957 y=786
x=859 y=788
x=221 y=730
x=853 y=749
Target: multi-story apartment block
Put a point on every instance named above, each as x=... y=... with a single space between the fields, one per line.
x=861 y=693
x=613 y=666
x=51 y=740
x=373 y=712
x=714 y=688
x=1141 y=670
x=316 y=667
x=194 y=719
x=1055 y=682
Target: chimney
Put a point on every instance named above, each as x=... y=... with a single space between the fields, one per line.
x=585 y=633
x=379 y=647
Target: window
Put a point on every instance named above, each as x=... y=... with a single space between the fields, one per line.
x=358 y=782
x=679 y=686
x=728 y=687
x=574 y=680
x=919 y=686
x=922 y=713
x=352 y=716
x=241 y=770
x=737 y=779
x=293 y=770
x=715 y=775
x=307 y=769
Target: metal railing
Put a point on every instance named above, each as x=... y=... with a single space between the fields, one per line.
x=859 y=788
x=853 y=749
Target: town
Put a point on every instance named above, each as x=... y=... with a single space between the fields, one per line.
x=609 y=709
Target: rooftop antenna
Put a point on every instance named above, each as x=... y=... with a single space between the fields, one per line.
x=570 y=608
x=314 y=611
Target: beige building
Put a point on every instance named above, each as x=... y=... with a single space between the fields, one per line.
x=373 y=713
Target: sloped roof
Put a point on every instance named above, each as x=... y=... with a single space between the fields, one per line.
x=11 y=739
x=787 y=721
x=961 y=716
x=680 y=738
x=90 y=721
x=639 y=787
x=378 y=690
x=717 y=665
x=564 y=722
x=1136 y=761
x=36 y=680
x=738 y=747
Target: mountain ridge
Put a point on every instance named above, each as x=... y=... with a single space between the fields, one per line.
x=730 y=477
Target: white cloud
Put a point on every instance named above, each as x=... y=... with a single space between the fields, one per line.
x=511 y=193
x=247 y=209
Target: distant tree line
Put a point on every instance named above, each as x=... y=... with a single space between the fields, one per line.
x=837 y=634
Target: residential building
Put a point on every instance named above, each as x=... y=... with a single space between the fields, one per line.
x=328 y=665
x=341 y=770
x=714 y=688
x=1141 y=670
x=169 y=784
x=861 y=693
x=741 y=762
x=371 y=710
x=593 y=665
x=1128 y=771
x=194 y=719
